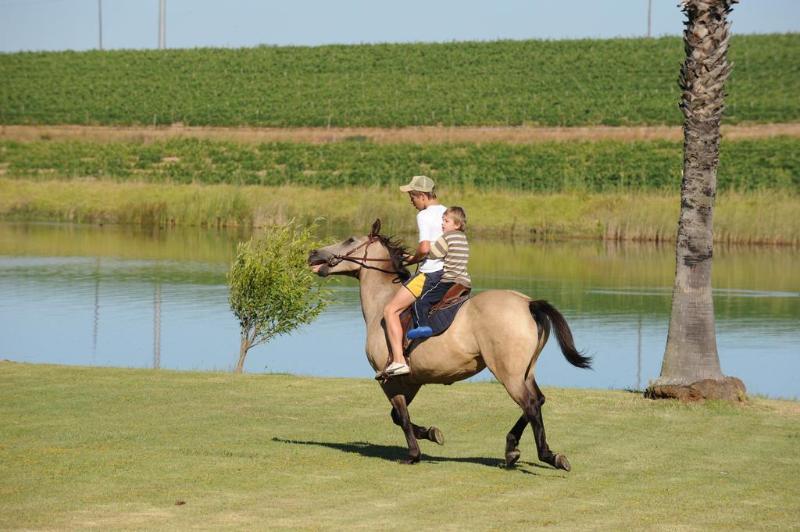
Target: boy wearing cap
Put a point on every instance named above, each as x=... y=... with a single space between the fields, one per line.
x=422 y=192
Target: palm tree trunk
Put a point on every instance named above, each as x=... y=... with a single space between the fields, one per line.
x=691 y=368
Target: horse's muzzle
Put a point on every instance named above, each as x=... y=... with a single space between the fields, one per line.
x=321 y=263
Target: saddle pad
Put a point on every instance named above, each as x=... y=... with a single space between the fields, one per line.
x=440 y=321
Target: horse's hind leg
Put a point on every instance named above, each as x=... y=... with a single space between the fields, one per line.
x=533 y=411
x=512 y=441
x=530 y=398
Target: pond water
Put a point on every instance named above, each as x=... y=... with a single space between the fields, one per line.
x=127 y=297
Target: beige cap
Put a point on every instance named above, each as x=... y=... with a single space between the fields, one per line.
x=419 y=183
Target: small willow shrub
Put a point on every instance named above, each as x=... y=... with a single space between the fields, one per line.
x=272 y=289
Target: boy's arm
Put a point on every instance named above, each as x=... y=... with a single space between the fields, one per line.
x=439 y=249
x=424 y=246
x=420 y=254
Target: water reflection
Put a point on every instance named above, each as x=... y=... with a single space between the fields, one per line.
x=96 y=320
x=121 y=297
x=157 y=325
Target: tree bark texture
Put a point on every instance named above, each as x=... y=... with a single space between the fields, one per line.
x=244 y=347
x=691 y=351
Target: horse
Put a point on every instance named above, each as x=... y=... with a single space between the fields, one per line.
x=503 y=330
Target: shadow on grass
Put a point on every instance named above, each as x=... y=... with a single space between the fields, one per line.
x=394 y=453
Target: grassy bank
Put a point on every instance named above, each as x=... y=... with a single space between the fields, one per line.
x=756 y=217
x=112 y=448
x=556 y=83
x=771 y=163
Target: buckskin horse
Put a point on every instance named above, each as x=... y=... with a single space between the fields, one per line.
x=503 y=330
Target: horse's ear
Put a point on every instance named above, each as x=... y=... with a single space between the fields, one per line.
x=376 y=227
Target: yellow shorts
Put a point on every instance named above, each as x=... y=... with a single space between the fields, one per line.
x=415 y=284
x=423 y=282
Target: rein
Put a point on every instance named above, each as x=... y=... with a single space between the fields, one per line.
x=362 y=261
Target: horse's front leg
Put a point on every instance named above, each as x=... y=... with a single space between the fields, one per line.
x=399 y=405
x=431 y=433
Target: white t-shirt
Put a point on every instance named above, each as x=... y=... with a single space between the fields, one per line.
x=429 y=222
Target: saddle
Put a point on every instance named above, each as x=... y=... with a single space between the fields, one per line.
x=441 y=317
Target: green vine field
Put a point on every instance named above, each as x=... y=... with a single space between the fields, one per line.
x=506 y=83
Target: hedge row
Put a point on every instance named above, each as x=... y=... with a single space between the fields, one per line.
x=591 y=166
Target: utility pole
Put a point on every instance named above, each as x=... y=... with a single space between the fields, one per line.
x=649 y=17
x=162 y=24
x=100 y=22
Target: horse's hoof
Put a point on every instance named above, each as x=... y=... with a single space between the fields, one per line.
x=512 y=457
x=411 y=460
x=436 y=435
x=562 y=462
x=512 y=451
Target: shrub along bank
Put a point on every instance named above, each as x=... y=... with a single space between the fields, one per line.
x=745 y=165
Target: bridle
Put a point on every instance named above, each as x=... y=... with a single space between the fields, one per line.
x=362 y=261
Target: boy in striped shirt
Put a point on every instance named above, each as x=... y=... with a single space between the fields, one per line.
x=452 y=247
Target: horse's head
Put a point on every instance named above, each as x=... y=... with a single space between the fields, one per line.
x=373 y=251
x=339 y=258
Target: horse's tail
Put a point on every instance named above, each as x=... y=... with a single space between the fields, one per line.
x=546 y=315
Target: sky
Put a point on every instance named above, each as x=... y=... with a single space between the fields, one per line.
x=133 y=24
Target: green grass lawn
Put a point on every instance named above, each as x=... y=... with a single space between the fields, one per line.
x=119 y=448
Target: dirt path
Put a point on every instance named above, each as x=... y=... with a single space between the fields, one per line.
x=422 y=135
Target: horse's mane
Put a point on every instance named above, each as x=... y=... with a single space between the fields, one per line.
x=396 y=252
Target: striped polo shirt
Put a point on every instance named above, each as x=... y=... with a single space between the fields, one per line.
x=454 y=249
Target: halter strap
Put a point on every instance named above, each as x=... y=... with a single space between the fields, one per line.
x=362 y=261
x=365 y=245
